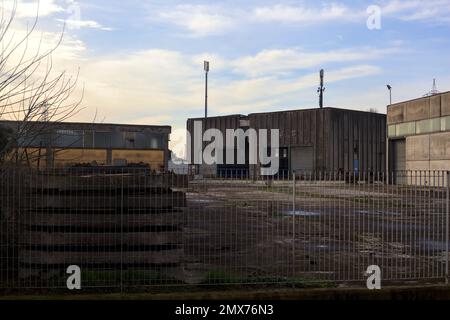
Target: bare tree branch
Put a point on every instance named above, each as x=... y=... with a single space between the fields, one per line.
x=31 y=91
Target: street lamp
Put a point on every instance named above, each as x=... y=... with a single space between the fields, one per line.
x=206 y=68
x=390 y=93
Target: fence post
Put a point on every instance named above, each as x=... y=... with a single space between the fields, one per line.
x=293 y=225
x=293 y=193
x=447 y=213
x=121 y=230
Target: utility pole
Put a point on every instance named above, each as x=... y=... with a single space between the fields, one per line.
x=321 y=89
x=206 y=68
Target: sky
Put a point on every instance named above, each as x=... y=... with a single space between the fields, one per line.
x=141 y=62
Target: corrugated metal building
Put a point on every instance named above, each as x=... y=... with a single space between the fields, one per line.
x=327 y=139
x=44 y=144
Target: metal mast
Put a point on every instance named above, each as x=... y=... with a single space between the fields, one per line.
x=206 y=68
x=433 y=91
x=321 y=89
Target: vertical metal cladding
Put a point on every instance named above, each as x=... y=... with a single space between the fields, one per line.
x=221 y=123
x=342 y=140
x=355 y=135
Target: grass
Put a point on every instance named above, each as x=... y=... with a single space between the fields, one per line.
x=402 y=291
x=221 y=277
x=126 y=277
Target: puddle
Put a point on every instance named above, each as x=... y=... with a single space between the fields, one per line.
x=428 y=244
x=202 y=200
x=299 y=213
x=377 y=213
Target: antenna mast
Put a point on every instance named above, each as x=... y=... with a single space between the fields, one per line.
x=433 y=91
x=321 y=89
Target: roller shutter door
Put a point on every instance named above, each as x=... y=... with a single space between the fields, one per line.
x=399 y=160
x=302 y=159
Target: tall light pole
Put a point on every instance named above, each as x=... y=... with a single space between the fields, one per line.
x=387 y=136
x=206 y=68
x=390 y=93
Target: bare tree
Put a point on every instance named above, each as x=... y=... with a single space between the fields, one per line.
x=31 y=92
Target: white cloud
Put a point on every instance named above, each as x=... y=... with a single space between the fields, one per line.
x=301 y=14
x=29 y=9
x=406 y=10
x=162 y=119
x=294 y=59
x=148 y=83
x=66 y=47
x=435 y=11
x=217 y=63
x=178 y=141
x=78 y=24
x=207 y=20
x=253 y=95
x=154 y=84
x=49 y=8
x=199 y=20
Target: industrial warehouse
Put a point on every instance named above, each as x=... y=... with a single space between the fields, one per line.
x=248 y=150
x=419 y=133
x=126 y=221
x=63 y=144
x=311 y=140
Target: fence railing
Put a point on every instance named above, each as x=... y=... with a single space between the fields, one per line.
x=128 y=228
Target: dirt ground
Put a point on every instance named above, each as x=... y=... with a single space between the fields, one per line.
x=311 y=234
x=244 y=231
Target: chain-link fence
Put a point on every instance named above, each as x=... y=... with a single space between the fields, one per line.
x=127 y=228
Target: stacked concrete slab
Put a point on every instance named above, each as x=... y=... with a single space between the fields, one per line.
x=100 y=222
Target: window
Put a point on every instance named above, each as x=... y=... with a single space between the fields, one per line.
x=445 y=123
x=407 y=128
x=392 y=130
x=102 y=140
x=429 y=125
x=435 y=125
x=68 y=139
x=419 y=127
x=423 y=126
x=88 y=139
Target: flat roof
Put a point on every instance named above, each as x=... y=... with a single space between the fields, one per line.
x=416 y=99
x=224 y=116
x=291 y=110
x=314 y=109
x=93 y=125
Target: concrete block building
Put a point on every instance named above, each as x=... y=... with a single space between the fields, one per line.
x=51 y=144
x=419 y=134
